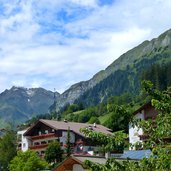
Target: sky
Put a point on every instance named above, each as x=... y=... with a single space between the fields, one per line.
x=56 y=43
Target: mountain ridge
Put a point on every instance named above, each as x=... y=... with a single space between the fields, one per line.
x=123 y=75
x=147 y=50
x=19 y=104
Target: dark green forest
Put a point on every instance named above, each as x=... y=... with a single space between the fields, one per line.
x=129 y=81
x=120 y=107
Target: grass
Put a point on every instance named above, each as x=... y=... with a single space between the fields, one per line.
x=104 y=118
x=78 y=112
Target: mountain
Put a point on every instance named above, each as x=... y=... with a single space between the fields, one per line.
x=19 y=104
x=123 y=75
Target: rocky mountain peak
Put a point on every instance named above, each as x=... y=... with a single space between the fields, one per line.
x=20 y=103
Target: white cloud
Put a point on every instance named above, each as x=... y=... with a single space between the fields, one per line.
x=91 y=3
x=42 y=46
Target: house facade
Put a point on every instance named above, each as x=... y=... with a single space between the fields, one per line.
x=23 y=142
x=136 y=134
x=38 y=136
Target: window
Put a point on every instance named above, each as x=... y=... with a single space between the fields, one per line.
x=43 y=142
x=24 y=145
x=36 y=143
x=42 y=152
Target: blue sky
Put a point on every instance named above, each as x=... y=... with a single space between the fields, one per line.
x=54 y=44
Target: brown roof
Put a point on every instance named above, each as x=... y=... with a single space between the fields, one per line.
x=67 y=164
x=146 y=105
x=74 y=126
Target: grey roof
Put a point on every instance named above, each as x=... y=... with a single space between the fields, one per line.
x=136 y=154
x=94 y=159
x=74 y=126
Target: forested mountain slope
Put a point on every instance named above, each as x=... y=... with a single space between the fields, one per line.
x=123 y=75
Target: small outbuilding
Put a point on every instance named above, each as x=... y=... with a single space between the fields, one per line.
x=76 y=163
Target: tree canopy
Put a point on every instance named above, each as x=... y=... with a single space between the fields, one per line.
x=159 y=133
x=68 y=143
x=7 y=148
x=53 y=153
x=27 y=161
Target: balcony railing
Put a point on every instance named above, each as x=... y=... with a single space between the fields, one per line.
x=79 y=149
x=145 y=137
x=167 y=139
x=38 y=146
x=43 y=136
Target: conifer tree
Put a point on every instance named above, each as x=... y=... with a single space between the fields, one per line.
x=68 y=143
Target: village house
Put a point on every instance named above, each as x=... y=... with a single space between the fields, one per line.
x=145 y=112
x=38 y=136
x=76 y=163
x=22 y=140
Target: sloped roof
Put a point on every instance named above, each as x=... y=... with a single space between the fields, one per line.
x=136 y=154
x=94 y=159
x=74 y=126
x=69 y=162
x=146 y=105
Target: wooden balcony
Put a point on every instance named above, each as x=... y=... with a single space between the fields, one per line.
x=35 y=147
x=145 y=137
x=167 y=139
x=43 y=136
x=79 y=141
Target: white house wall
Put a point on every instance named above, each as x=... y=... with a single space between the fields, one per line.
x=134 y=132
x=63 y=139
x=24 y=141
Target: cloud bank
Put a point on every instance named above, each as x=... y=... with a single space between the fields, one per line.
x=54 y=44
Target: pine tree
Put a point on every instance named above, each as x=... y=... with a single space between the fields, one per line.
x=68 y=143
